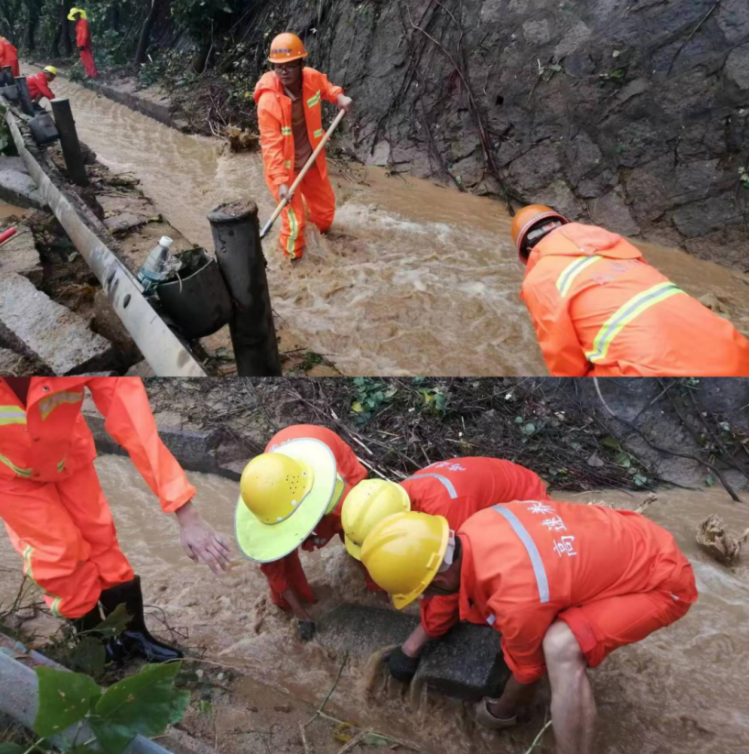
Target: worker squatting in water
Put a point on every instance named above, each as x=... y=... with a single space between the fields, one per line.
x=479 y=539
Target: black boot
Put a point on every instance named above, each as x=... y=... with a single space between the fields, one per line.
x=88 y=623
x=136 y=641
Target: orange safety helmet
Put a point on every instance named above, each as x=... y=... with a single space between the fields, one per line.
x=286 y=47
x=528 y=218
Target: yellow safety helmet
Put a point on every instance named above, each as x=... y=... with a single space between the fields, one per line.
x=51 y=69
x=404 y=552
x=283 y=496
x=366 y=505
x=73 y=11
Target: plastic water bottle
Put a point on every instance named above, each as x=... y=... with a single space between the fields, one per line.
x=157 y=266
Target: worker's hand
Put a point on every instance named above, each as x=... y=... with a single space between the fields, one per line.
x=200 y=542
x=345 y=103
x=401 y=666
x=283 y=192
x=306 y=629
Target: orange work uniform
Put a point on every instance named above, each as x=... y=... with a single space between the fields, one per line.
x=456 y=489
x=9 y=56
x=83 y=42
x=275 y=119
x=39 y=87
x=287 y=573
x=600 y=310
x=51 y=502
x=613 y=576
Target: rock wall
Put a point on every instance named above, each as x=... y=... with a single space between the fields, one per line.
x=630 y=113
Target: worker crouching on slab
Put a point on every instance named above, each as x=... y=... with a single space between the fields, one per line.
x=39 y=84
x=291 y=497
x=83 y=41
x=456 y=489
x=563 y=584
x=55 y=511
x=600 y=310
x=289 y=110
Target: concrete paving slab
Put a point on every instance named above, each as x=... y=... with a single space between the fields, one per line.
x=17 y=187
x=33 y=324
x=19 y=255
x=466 y=663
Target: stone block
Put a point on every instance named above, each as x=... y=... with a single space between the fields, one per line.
x=33 y=324
x=19 y=255
x=612 y=212
x=733 y=19
x=17 y=187
x=466 y=663
x=737 y=67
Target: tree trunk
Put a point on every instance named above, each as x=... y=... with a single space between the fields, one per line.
x=67 y=44
x=145 y=32
x=34 y=9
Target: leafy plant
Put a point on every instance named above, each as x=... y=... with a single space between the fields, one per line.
x=744 y=178
x=435 y=400
x=371 y=396
x=143 y=704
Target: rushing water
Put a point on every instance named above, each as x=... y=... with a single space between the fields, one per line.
x=681 y=691
x=414 y=279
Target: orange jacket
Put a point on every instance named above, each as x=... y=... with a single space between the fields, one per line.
x=83 y=34
x=349 y=469
x=274 y=119
x=456 y=489
x=48 y=440
x=9 y=56
x=600 y=310
x=525 y=563
x=39 y=86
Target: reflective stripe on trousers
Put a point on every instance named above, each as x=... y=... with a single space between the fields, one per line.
x=571 y=271
x=57 y=601
x=538 y=565
x=446 y=483
x=626 y=314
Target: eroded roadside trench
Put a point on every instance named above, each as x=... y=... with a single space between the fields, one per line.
x=413 y=279
x=681 y=690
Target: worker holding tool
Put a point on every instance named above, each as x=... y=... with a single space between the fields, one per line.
x=9 y=56
x=83 y=41
x=600 y=310
x=564 y=584
x=289 y=106
x=291 y=496
x=456 y=489
x=57 y=516
x=39 y=84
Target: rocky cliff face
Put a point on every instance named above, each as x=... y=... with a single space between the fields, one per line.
x=631 y=113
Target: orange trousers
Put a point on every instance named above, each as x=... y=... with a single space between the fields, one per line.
x=318 y=194
x=89 y=64
x=66 y=536
x=602 y=626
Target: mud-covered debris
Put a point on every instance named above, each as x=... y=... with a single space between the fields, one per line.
x=721 y=545
x=241 y=139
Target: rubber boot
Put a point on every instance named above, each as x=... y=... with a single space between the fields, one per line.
x=88 y=623
x=136 y=641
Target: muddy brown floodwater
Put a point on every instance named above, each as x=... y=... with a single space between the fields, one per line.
x=413 y=279
x=683 y=690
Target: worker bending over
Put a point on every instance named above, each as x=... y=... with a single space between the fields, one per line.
x=600 y=310
x=291 y=497
x=9 y=56
x=289 y=111
x=55 y=511
x=456 y=489
x=563 y=584
x=39 y=84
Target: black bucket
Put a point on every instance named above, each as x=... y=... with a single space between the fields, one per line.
x=198 y=301
x=43 y=129
x=10 y=92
